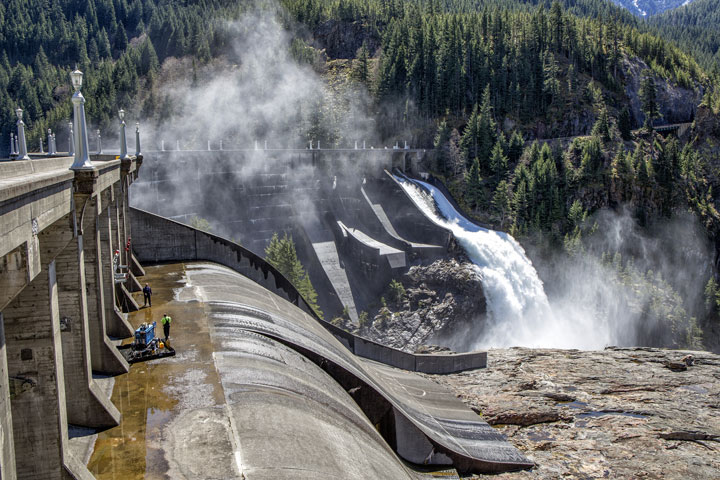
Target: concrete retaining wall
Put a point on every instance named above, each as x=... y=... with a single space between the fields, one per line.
x=157 y=239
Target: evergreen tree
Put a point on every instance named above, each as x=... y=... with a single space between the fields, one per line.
x=361 y=65
x=601 y=128
x=498 y=162
x=473 y=184
x=624 y=124
x=281 y=254
x=648 y=100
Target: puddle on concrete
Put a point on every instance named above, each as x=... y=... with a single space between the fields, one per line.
x=154 y=393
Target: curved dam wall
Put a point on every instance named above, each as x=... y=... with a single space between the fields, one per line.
x=157 y=239
x=422 y=421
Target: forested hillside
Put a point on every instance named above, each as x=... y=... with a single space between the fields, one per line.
x=40 y=41
x=696 y=28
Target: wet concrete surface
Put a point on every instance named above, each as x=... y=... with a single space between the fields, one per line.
x=156 y=393
x=239 y=397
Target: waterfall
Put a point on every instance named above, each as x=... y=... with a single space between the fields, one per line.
x=518 y=310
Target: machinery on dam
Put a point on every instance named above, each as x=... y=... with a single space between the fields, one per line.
x=146 y=346
x=290 y=378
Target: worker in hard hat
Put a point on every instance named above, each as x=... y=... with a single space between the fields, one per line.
x=166 y=325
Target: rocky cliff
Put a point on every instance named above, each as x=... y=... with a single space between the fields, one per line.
x=618 y=413
x=440 y=299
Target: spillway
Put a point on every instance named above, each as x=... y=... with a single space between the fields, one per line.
x=520 y=313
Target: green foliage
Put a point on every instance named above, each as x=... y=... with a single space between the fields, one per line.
x=712 y=295
x=625 y=124
x=647 y=293
x=648 y=99
x=473 y=185
x=200 y=223
x=397 y=291
x=364 y=321
x=114 y=42
x=281 y=254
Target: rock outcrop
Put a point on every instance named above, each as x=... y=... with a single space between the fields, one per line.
x=618 y=413
x=677 y=104
x=440 y=300
x=343 y=39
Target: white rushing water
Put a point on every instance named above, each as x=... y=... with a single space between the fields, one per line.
x=519 y=312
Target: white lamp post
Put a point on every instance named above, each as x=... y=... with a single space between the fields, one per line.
x=81 y=148
x=21 y=145
x=71 y=140
x=137 y=139
x=123 y=140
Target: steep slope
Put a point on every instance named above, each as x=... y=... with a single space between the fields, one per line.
x=647 y=8
x=695 y=28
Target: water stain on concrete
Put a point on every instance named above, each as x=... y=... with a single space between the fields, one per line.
x=156 y=393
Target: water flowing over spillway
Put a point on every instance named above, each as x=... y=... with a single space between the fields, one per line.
x=519 y=312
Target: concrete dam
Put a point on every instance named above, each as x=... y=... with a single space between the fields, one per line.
x=262 y=386
x=353 y=225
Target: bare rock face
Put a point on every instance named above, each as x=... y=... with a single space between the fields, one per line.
x=618 y=413
x=343 y=39
x=441 y=299
x=677 y=104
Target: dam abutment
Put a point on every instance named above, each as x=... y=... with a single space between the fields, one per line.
x=57 y=252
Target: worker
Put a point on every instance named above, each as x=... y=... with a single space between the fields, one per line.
x=147 y=294
x=166 y=325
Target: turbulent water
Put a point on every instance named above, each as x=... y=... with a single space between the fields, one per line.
x=519 y=312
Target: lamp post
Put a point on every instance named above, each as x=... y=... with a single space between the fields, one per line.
x=137 y=139
x=51 y=146
x=81 y=148
x=123 y=140
x=21 y=145
x=99 y=142
x=71 y=140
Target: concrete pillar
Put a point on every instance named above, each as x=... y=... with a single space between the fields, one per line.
x=81 y=147
x=7 y=444
x=123 y=140
x=21 y=146
x=88 y=406
x=115 y=322
x=71 y=140
x=105 y=358
x=137 y=140
x=124 y=300
x=35 y=363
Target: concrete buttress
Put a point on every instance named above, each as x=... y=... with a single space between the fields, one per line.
x=105 y=358
x=87 y=406
x=35 y=364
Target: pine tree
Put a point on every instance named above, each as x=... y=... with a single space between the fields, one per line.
x=498 y=162
x=624 y=124
x=473 y=185
x=361 y=65
x=281 y=254
x=501 y=201
x=601 y=128
x=648 y=99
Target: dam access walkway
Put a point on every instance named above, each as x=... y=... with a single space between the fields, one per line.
x=247 y=395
